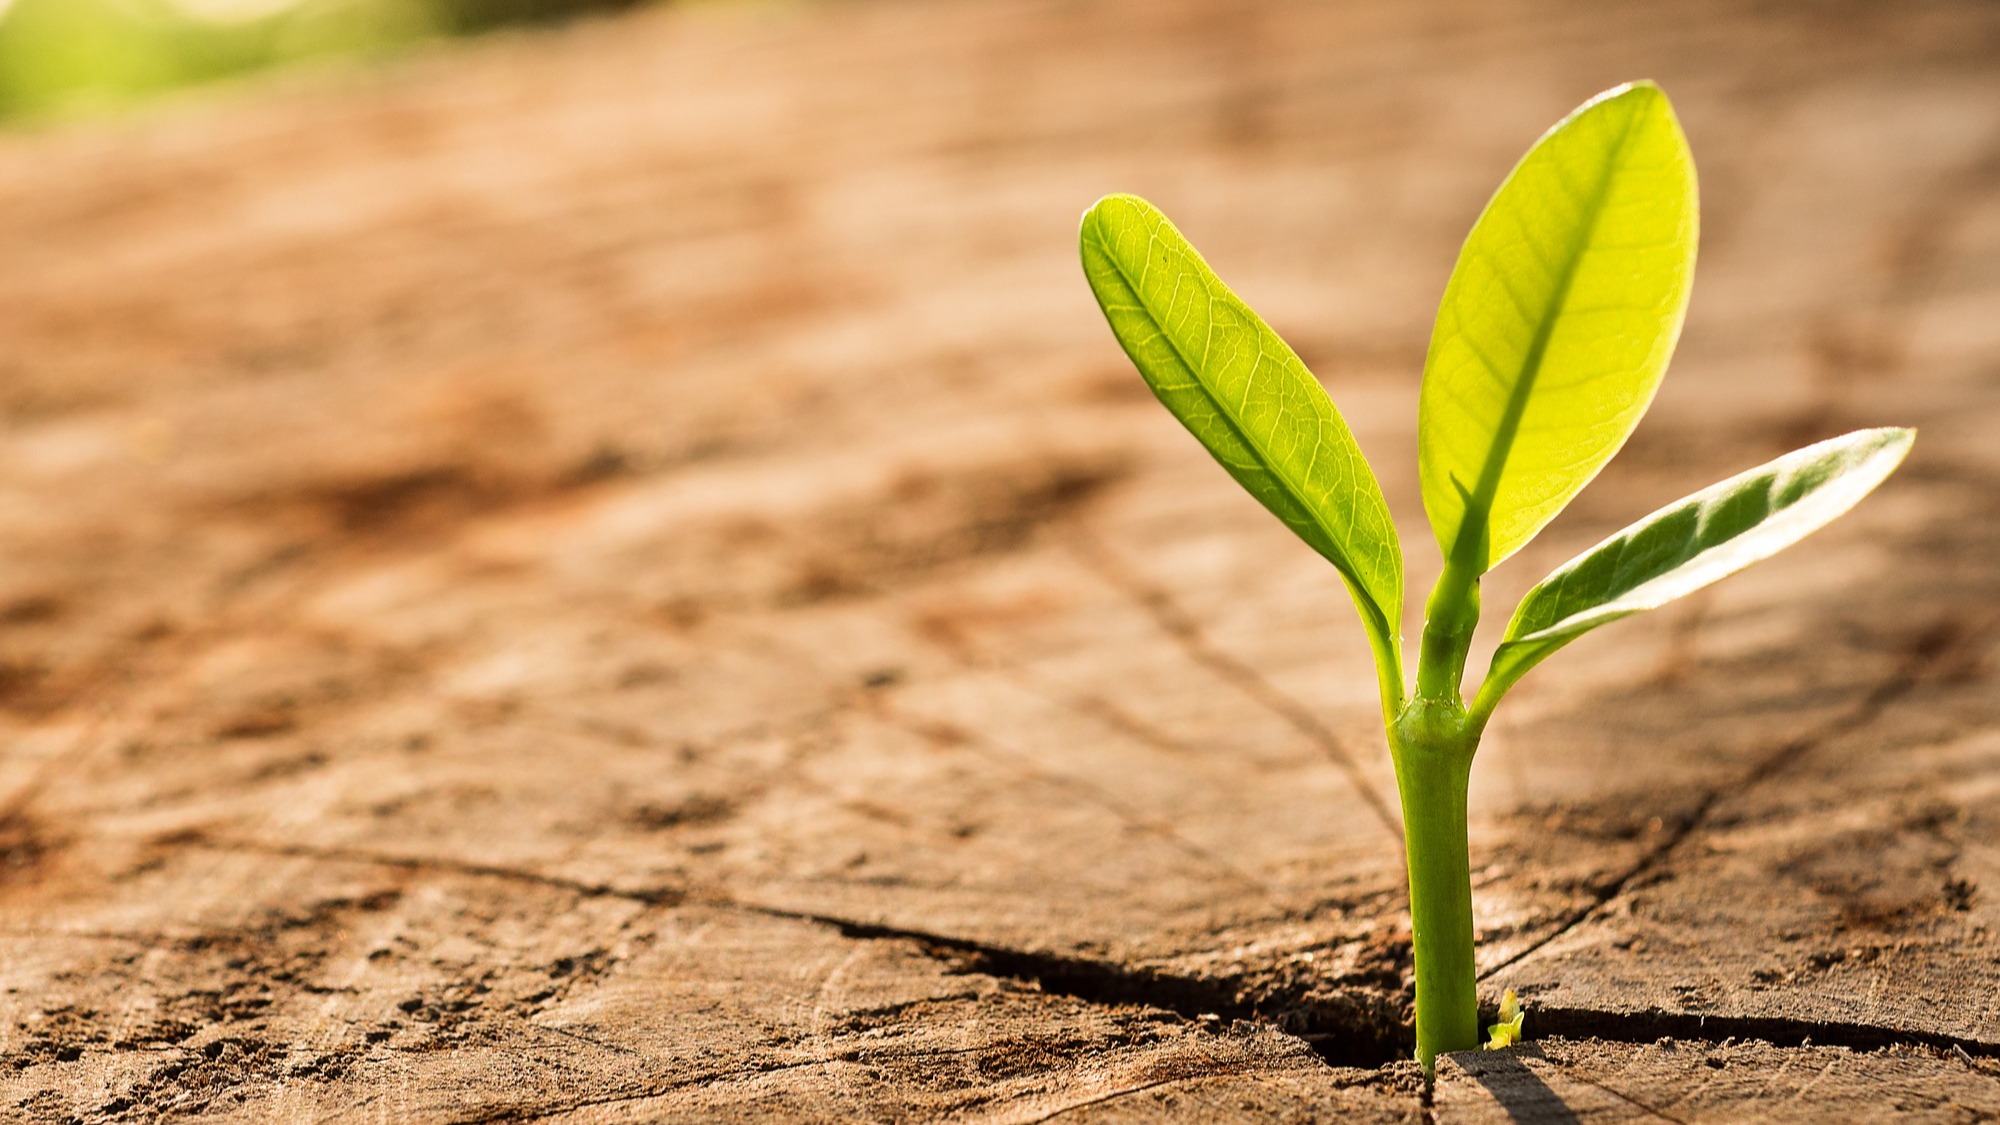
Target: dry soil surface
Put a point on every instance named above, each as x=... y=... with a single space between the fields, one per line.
x=617 y=575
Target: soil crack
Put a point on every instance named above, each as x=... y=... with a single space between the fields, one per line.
x=1174 y=620
x=1352 y=1024
x=948 y=734
x=1930 y=649
x=650 y=896
x=1652 y=1025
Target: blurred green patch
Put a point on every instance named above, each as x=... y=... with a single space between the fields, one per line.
x=67 y=55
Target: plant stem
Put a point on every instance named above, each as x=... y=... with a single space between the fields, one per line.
x=1449 y=619
x=1433 y=765
x=1432 y=741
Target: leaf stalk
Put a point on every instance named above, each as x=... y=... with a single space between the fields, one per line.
x=1450 y=617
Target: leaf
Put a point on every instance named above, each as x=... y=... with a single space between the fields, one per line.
x=1242 y=391
x=1557 y=324
x=1692 y=542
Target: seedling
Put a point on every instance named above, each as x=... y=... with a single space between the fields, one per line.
x=1508 y=1031
x=1555 y=329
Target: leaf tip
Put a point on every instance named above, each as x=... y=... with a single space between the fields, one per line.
x=1111 y=207
x=1899 y=440
x=1641 y=91
x=1894 y=440
x=1641 y=97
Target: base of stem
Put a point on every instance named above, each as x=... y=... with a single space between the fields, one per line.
x=1432 y=776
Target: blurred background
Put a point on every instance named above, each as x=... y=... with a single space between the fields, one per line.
x=60 y=56
x=533 y=533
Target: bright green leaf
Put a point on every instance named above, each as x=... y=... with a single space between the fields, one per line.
x=1693 y=542
x=1240 y=389
x=1557 y=323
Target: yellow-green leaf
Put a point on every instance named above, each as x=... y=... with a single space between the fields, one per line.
x=1510 y=1030
x=1243 y=392
x=1557 y=323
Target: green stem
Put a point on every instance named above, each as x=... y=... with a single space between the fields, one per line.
x=1432 y=741
x=1433 y=754
x=1449 y=619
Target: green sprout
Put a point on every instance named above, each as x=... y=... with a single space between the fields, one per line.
x=1507 y=1032
x=1554 y=331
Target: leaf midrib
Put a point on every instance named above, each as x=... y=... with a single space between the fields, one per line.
x=1841 y=487
x=1475 y=525
x=1290 y=488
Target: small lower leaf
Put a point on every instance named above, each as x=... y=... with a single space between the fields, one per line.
x=1691 y=543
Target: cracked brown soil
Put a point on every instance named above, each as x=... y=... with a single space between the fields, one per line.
x=616 y=575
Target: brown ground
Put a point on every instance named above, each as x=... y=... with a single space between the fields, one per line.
x=619 y=576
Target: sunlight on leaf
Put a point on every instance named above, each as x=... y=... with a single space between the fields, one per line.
x=1242 y=391
x=1693 y=542
x=1557 y=324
